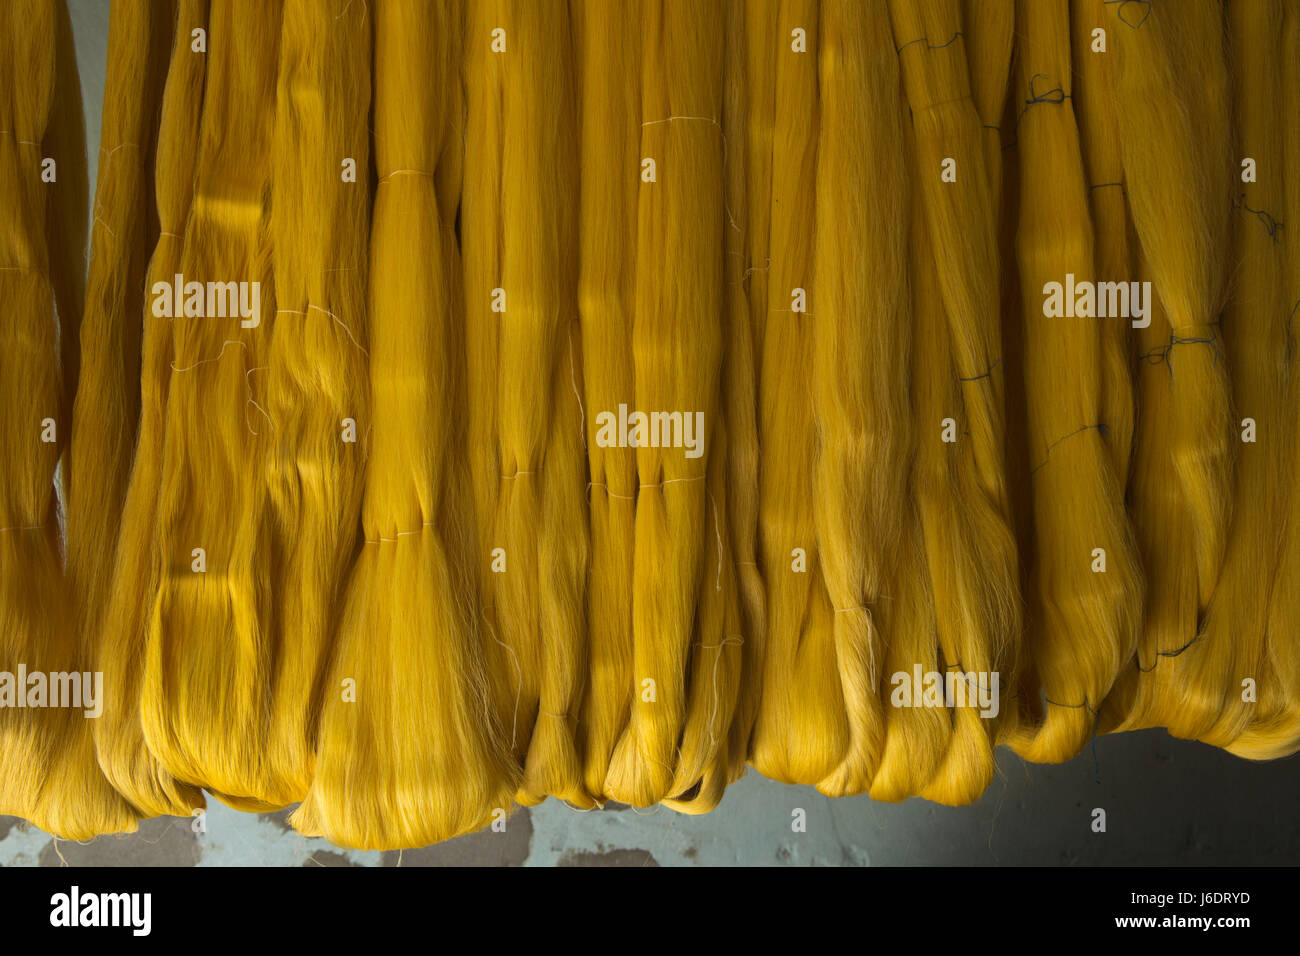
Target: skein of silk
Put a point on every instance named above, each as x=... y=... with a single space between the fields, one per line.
x=740 y=386
x=316 y=376
x=76 y=799
x=1275 y=730
x=927 y=35
x=208 y=660
x=136 y=569
x=524 y=349
x=801 y=732
x=417 y=755
x=107 y=405
x=677 y=337
x=1086 y=627
x=729 y=592
x=1170 y=86
x=1180 y=483
x=861 y=348
x=49 y=774
x=611 y=90
x=1147 y=692
x=1232 y=645
x=969 y=605
x=106 y=412
x=970 y=548
x=1094 y=110
x=759 y=43
x=480 y=204
x=917 y=739
x=606 y=301
x=29 y=558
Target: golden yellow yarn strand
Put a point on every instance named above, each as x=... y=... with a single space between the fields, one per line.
x=206 y=687
x=861 y=348
x=414 y=753
x=611 y=136
x=119 y=734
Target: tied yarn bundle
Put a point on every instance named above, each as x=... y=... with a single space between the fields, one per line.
x=463 y=404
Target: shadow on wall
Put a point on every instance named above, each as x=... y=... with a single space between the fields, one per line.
x=1165 y=801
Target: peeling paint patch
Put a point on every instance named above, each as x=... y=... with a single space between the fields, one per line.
x=162 y=841
x=279 y=818
x=484 y=848
x=604 y=857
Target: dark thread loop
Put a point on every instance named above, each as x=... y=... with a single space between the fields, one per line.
x=986 y=374
x=1271 y=225
x=928 y=44
x=1100 y=426
x=1084 y=706
x=1056 y=96
x=1137 y=660
x=1161 y=352
x=1145 y=6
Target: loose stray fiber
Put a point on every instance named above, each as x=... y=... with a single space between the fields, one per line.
x=415 y=755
